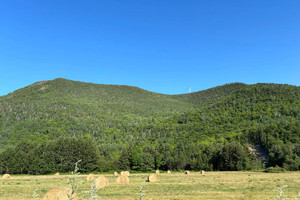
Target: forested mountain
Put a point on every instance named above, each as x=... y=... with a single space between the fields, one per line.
x=130 y=128
x=48 y=109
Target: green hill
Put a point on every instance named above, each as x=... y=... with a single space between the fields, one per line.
x=140 y=130
x=264 y=114
x=61 y=107
x=253 y=106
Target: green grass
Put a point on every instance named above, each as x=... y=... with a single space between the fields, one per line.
x=175 y=186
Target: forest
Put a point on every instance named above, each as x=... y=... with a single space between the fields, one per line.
x=48 y=126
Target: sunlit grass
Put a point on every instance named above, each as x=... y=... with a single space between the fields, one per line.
x=175 y=186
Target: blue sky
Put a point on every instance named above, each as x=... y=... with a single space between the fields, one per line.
x=159 y=45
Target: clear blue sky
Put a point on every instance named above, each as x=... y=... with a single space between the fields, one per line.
x=165 y=46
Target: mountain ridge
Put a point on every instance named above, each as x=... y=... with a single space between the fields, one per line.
x=103 y=84
x=45 y=99
x=142 y=130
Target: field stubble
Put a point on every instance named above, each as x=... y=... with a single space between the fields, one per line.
x=175 y=186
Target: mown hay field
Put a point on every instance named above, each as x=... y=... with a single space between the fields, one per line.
x=174 y=186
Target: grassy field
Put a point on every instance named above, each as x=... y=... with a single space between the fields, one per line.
x=175 y=186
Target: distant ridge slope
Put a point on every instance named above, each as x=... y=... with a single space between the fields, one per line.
x=266 y=114
x=60 y=107
x=47 y=109
x=212 y=95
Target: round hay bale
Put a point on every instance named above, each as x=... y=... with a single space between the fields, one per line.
x=57 y=174
x=187 y=172
x=157 y=171
x=202 y=172
x=122 y=179
x=116 y=174
x=6 y=176
x=152 y=178
x=125 y=173
x=58 y=193
x=169 y=172
x=101 y=182
x=90 y=177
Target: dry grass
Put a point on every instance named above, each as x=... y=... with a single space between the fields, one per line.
x=122 y=179
x=101 y=182
x=90 y=177
x=175 y=186
x=152 y=178
x=125 y=173
x=6 y=176
x=57 y=193
x=116 y=174
x=188 y=172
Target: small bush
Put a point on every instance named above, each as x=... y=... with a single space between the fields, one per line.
x=275 y=169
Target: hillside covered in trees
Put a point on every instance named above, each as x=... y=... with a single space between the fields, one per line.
x=110 y=127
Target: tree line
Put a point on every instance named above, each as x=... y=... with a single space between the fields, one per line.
x=61 y=154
